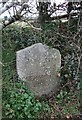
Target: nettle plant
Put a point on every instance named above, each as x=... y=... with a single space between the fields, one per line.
x=22 y=103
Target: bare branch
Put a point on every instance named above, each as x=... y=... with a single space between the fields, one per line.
x=31 y=24
x=3 y=9
x=63 y=16
x=11 y=20
x=4 y=2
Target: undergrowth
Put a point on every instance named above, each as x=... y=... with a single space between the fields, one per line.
x=18 y=102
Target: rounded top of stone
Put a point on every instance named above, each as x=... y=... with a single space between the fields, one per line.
x=39 y=46
x=29 y=47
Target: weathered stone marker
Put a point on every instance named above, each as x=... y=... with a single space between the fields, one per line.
x=38 y=65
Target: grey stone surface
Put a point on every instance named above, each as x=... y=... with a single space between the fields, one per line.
x=38 y=65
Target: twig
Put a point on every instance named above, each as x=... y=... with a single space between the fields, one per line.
x=31 y=24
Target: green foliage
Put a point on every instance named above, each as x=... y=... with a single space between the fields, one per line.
x=18 y=101
x=22 y=103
